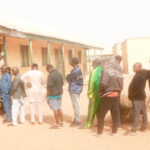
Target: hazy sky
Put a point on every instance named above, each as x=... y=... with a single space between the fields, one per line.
x=103 y=22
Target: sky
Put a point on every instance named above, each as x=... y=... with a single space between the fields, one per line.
x=101 y=22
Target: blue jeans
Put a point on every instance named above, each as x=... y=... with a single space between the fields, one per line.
x=75 y=102
x=7 y=106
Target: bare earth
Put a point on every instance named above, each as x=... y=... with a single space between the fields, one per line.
x=41 y=137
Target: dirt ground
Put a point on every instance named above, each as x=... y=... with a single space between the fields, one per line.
x=41 y=137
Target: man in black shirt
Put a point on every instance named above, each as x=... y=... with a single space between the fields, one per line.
x=54 y=94
x=136 y=93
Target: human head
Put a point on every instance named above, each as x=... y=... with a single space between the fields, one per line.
x=34 y=66
x=137 y=67
x=118 y=59
x=96 y=63
x=9 y=69
x=15 y=71
x=4 y=69
x=49 y=68
x=75 y=61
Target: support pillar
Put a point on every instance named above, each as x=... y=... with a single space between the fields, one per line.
x=31 y=54
x=83 y=60
x=5 y=49
x=72 y=52
x=49 y=58
x=63 y=58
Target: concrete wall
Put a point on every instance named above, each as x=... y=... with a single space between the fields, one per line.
x=137 y=50
x=14 y=56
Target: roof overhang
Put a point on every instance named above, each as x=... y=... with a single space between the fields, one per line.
x=19 y=34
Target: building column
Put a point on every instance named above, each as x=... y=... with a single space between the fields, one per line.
x=83 y=60
x=73 y=51
x=5 y=49
x=63 y=57
x=94 y=53
x=49 y=56
x=31 y=54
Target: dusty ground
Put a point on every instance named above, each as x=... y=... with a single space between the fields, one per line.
x=41 y=137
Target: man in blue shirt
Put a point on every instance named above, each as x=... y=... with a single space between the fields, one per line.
x=5 y=88
x=75 y=80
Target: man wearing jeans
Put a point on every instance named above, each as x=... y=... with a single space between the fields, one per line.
x=18 y=94
x=5 y=88
x=75 y=80
x=137 y=95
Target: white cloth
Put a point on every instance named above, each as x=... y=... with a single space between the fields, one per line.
x=18 y=104
x=39 y=111
x=36 y=78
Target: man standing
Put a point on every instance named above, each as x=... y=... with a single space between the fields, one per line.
x=93 y=96
x=34 y=80
x=18 y=94
x=54 y=94
x=111 y=85
x=137 y=95
x=75 y=80
x=5 y=88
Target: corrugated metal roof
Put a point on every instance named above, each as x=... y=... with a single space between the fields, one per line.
x=41 y=35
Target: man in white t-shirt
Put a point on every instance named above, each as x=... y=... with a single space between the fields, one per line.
x=34 y=80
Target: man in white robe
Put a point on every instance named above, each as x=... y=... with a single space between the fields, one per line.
x=34 y=80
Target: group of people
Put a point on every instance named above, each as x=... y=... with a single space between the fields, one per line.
x=31 y=85
x=104 y=90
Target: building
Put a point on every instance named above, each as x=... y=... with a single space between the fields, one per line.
x=22 y=49
x=135 y=50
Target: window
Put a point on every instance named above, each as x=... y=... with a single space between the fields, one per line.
x=44 y=56
x=69 y=56
x=80 y=56
x=24 y=50
x=59 y=60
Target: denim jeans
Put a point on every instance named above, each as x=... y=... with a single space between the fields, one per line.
x=18 y=104
x=75 y=102
x=7 y=106
x=139 y=107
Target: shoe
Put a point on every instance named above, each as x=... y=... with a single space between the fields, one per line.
x=7 y=121
x=112 y=133
x=97 y=134
x=131 y=133
x=83 y=127
x=75 y=124
x=61 y=124
x=56 y=126
x=11 y=125
x=33 y=123
x=143 y=129
x=40 y=123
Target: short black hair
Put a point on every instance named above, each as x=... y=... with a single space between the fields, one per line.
x=49 y=66
x=118 y=57
x=34 y=65
x=75 y=60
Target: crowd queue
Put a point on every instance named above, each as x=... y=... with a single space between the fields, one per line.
x=104 y=90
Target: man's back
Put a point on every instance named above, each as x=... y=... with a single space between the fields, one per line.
x=35 y=77
x=55 y=83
